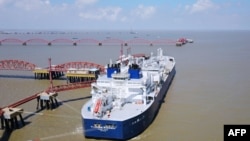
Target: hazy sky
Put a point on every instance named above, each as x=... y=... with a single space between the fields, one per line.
x=125 y=14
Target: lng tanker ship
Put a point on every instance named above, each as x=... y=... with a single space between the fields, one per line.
x=127 y=98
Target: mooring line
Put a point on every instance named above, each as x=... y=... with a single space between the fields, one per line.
x=71 y=107
x=52 y=115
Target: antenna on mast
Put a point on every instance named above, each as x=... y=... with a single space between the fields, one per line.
x=50 y=76
x=129 y=51
x=121 y=52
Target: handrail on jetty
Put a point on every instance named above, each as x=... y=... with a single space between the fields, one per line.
x=53 y=89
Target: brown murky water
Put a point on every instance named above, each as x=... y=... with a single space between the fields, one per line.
x=210 y=89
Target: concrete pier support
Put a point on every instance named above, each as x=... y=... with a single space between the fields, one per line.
x=49 y=99
x=56 y=74
x=41 y=76
x=9 y=119
x=2 y=122
x=178 y=43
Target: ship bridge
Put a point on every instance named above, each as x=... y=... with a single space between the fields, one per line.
x=120 y=76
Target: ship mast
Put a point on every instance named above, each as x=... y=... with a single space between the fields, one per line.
x=121 y=52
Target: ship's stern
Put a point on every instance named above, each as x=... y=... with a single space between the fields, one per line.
x=103 y=129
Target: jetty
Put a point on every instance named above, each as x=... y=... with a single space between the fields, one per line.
x=79 y=74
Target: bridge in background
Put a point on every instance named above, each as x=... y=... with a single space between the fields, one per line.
x=65 y=41
x=27 y=66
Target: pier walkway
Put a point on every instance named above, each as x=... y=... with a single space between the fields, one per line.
x=79 y=74
x=9 y=113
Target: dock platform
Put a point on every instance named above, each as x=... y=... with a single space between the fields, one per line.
x=81 y=75
x=43 y=73
x=49 y=98
x=9 y=118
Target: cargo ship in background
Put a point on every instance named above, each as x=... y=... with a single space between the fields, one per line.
x=127 y=98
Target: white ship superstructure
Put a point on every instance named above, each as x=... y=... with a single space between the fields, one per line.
x=128 y=90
